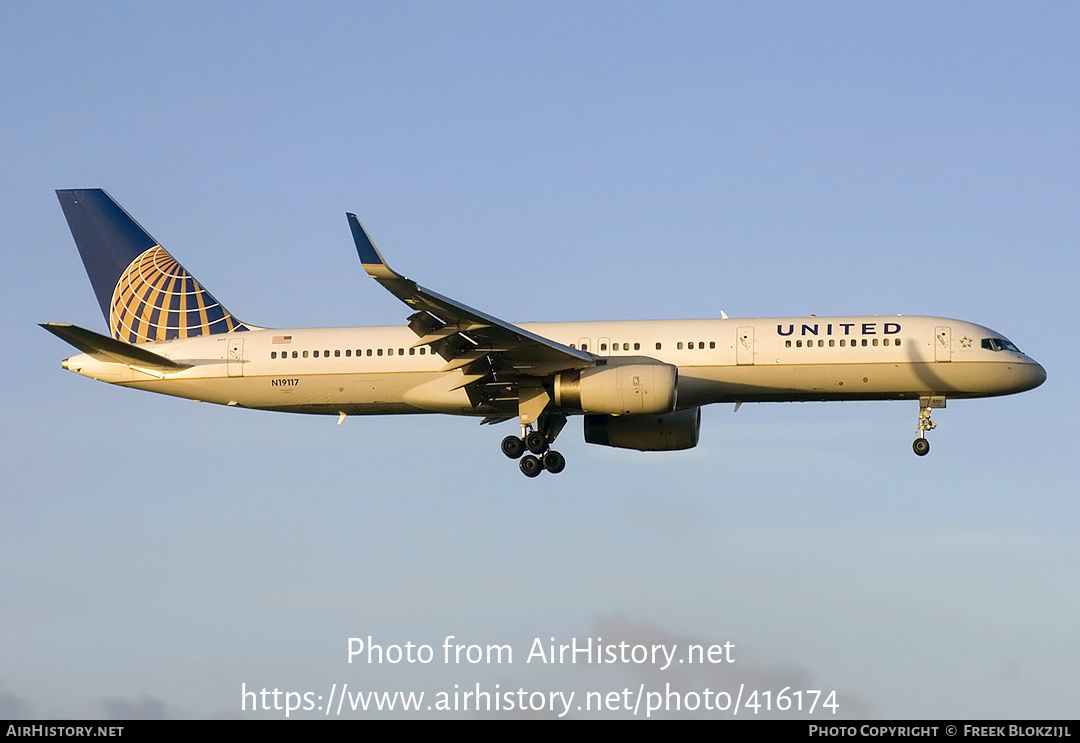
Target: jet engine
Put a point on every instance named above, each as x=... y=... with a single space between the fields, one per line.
x=628 y=386
x=667 y=432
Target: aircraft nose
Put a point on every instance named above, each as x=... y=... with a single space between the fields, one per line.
x=1039 y=374
x=1031 y=376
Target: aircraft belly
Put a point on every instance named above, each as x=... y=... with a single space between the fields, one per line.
x=873 y=381
x=429 y=392
x=435 y=395
x=353 y=394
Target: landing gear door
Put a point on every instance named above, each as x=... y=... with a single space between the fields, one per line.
x=744 y=345
x=942 y=344
x=235 y=357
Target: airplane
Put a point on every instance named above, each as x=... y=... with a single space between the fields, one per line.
x=638 y=384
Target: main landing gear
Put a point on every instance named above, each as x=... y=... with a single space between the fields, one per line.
x=541 y=456
x=926 y=405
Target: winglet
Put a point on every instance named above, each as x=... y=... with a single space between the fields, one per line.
x=372 y=261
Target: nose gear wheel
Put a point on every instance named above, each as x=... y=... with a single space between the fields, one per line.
x=926 y=405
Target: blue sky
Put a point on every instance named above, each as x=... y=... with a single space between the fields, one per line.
x=553 y=161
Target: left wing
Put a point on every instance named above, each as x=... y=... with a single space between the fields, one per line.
x=500 y=362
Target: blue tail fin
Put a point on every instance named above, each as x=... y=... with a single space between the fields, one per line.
x=144 y=293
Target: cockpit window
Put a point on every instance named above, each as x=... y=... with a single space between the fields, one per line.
x=999 y=344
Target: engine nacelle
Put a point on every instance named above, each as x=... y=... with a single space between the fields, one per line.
x=622 y=387
x=667 y=432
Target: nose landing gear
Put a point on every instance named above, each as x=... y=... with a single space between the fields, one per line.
x=926 y=405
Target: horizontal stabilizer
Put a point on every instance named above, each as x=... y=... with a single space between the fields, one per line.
x=110 y=350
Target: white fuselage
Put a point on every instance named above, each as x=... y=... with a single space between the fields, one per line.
x=373 y=371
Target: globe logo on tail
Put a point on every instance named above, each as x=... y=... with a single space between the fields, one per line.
x=156 y=299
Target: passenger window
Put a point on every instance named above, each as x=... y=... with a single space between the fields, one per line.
x=657 y=346
x=821 y=344
x=637 y=346
x=412 y=351
x=864 y=341
x=401 y=352
x=294 y=354
x=787 y=344
x=712 y=344
x=273 y=354
x=305 y=354
x=679 y=345
x=897 y=342
x=626 y=346
x=379 y=352
x=798 y=344
x=875 y=341
x=831 y=343
x=603 y=346
x=326 y=354
x=369 y=352
x=316 y=354
x=422 y=349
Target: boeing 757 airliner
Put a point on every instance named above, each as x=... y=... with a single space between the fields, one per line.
x=638 y=384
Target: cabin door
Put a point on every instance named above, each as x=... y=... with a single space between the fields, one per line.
x=235 y=357
x=744 y=345
x=942 y=344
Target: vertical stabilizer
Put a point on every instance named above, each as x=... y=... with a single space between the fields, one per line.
x=144 y=293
